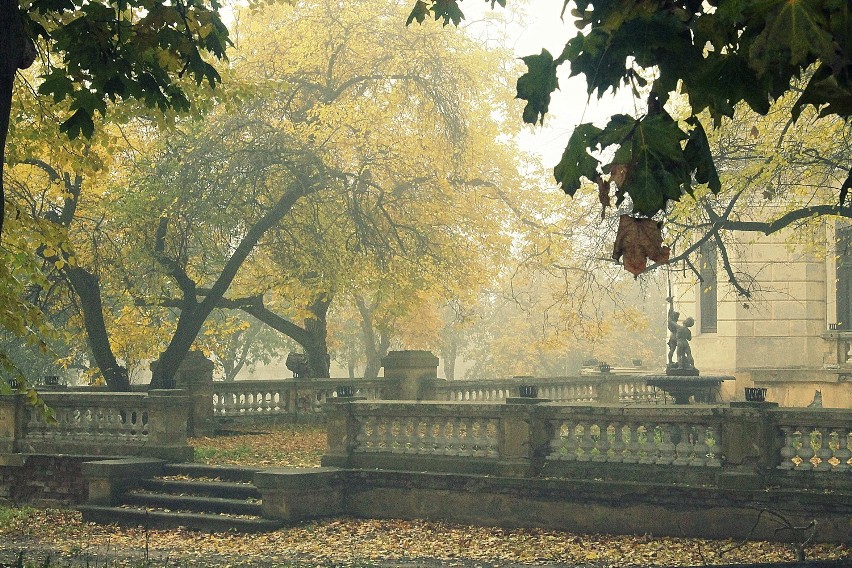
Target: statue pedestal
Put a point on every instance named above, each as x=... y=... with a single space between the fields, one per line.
x=682 y=388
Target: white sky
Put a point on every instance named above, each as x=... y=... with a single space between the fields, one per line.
x=533 y=25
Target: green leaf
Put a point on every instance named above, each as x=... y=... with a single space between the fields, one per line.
x=576 y=161
x=698 y=157
x=418 y=13
x=57 y=84
x=618 y=130
x=794 y=33
x=536 y=85
x=447 y=10
x=80 y=123
x=662 y=136
x=829 y=90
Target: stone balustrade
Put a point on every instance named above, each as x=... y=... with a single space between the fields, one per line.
x=660 y=436
x=815 y=440
x=744 y=446
x=288 y=397
x=149 y=424
x=602 y=388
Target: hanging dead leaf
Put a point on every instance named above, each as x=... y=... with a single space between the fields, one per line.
x=755 y=133
x=618 y=174
x=637 y=241
x=603 y=194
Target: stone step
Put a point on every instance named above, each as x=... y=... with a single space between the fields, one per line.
x=154 y=519
x=192 y=503
x=222 y=489
x=239 y=474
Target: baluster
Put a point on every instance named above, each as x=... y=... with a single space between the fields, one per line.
x=666 y=448
x=632 y=446
x=602 y=454
x=455 y=446
x=788 y=450
x=446 y=446
x=824 y=451
x=701 y=447
x=428 y=444
x=617 y=445
x=713 y=440
x=463 y=435
x=410 y=434
x=843 y=453
x=557 y=441
x=806 y=452
x=648 y=446
x=362 y=437
x=586 y=443
x=475 y=438
x=386 y=433
x=492 y=449
x=375 y=430
x=683 y=448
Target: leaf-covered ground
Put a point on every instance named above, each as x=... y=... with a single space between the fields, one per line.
x=297 y=445
x=67 y=541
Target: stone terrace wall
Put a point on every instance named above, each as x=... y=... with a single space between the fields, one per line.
x=45 y=480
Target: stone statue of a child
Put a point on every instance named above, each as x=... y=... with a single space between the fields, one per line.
x=679 y=337
x=684 y=351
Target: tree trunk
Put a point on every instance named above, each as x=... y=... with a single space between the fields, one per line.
x=375 y=350
x=449 y=354
x=194 y=314
x=87 y=287
x=16 y=52
x=317 y=347
x=312 y=338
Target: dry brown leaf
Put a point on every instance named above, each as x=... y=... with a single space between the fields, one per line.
x=603 y=194
x=637 y=241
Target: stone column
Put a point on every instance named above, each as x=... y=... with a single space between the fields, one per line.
x=12 y=416
x=341 y=430
x=167 y=425
x=416 y=372
x=749 y=445
x=195 y=376
x=608 y=391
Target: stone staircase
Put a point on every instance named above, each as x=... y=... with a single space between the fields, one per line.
x=193 y=496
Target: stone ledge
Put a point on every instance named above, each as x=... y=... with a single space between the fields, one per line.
x=123 y=467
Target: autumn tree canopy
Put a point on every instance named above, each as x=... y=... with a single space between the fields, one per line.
x=720 y=55
x=92 y=53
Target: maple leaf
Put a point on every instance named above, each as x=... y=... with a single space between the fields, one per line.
x=637 y=241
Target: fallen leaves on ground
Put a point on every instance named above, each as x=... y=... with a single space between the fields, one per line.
x=279 y=445
x=347 y=542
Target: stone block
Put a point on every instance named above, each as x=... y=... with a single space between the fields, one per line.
x=798 y=310
x=295 y=494
x=416 y=372
x=108 y=479
x=11 y=422
x=798 y=272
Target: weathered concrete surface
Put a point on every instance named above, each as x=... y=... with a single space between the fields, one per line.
x=293 y=494
x=595 y=506
x=108 y=479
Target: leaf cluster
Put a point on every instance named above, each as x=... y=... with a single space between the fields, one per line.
x=97 y=52
x=718 y=53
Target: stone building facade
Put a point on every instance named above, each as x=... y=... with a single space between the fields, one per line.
x=794 y=335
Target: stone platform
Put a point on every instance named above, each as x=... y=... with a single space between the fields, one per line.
x=702 y=389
